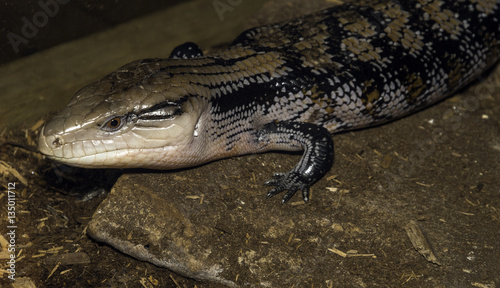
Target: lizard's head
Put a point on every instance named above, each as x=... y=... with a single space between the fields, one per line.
x=134 y=117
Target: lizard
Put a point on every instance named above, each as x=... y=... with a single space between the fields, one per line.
x=284 y=86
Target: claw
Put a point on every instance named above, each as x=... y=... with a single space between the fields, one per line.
x=279 y=175
x=289 y=195
x=273 y=192
x=305 y=194
x=290 y=182
x=272 y=182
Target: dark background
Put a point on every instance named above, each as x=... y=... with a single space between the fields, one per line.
x=35 y=25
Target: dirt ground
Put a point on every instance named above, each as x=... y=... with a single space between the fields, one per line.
x=438 y=167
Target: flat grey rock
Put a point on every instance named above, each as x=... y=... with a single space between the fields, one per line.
x=209 y=224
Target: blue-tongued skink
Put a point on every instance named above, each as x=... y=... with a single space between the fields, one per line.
x=285 y=86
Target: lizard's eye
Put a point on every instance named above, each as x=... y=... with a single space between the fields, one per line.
x=113 y=123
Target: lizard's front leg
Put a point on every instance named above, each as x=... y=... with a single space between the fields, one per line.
x=317 y=159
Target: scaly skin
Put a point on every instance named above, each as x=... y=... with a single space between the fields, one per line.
x=285 y=86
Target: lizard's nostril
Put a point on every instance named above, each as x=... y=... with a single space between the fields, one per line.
x=58 y=142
